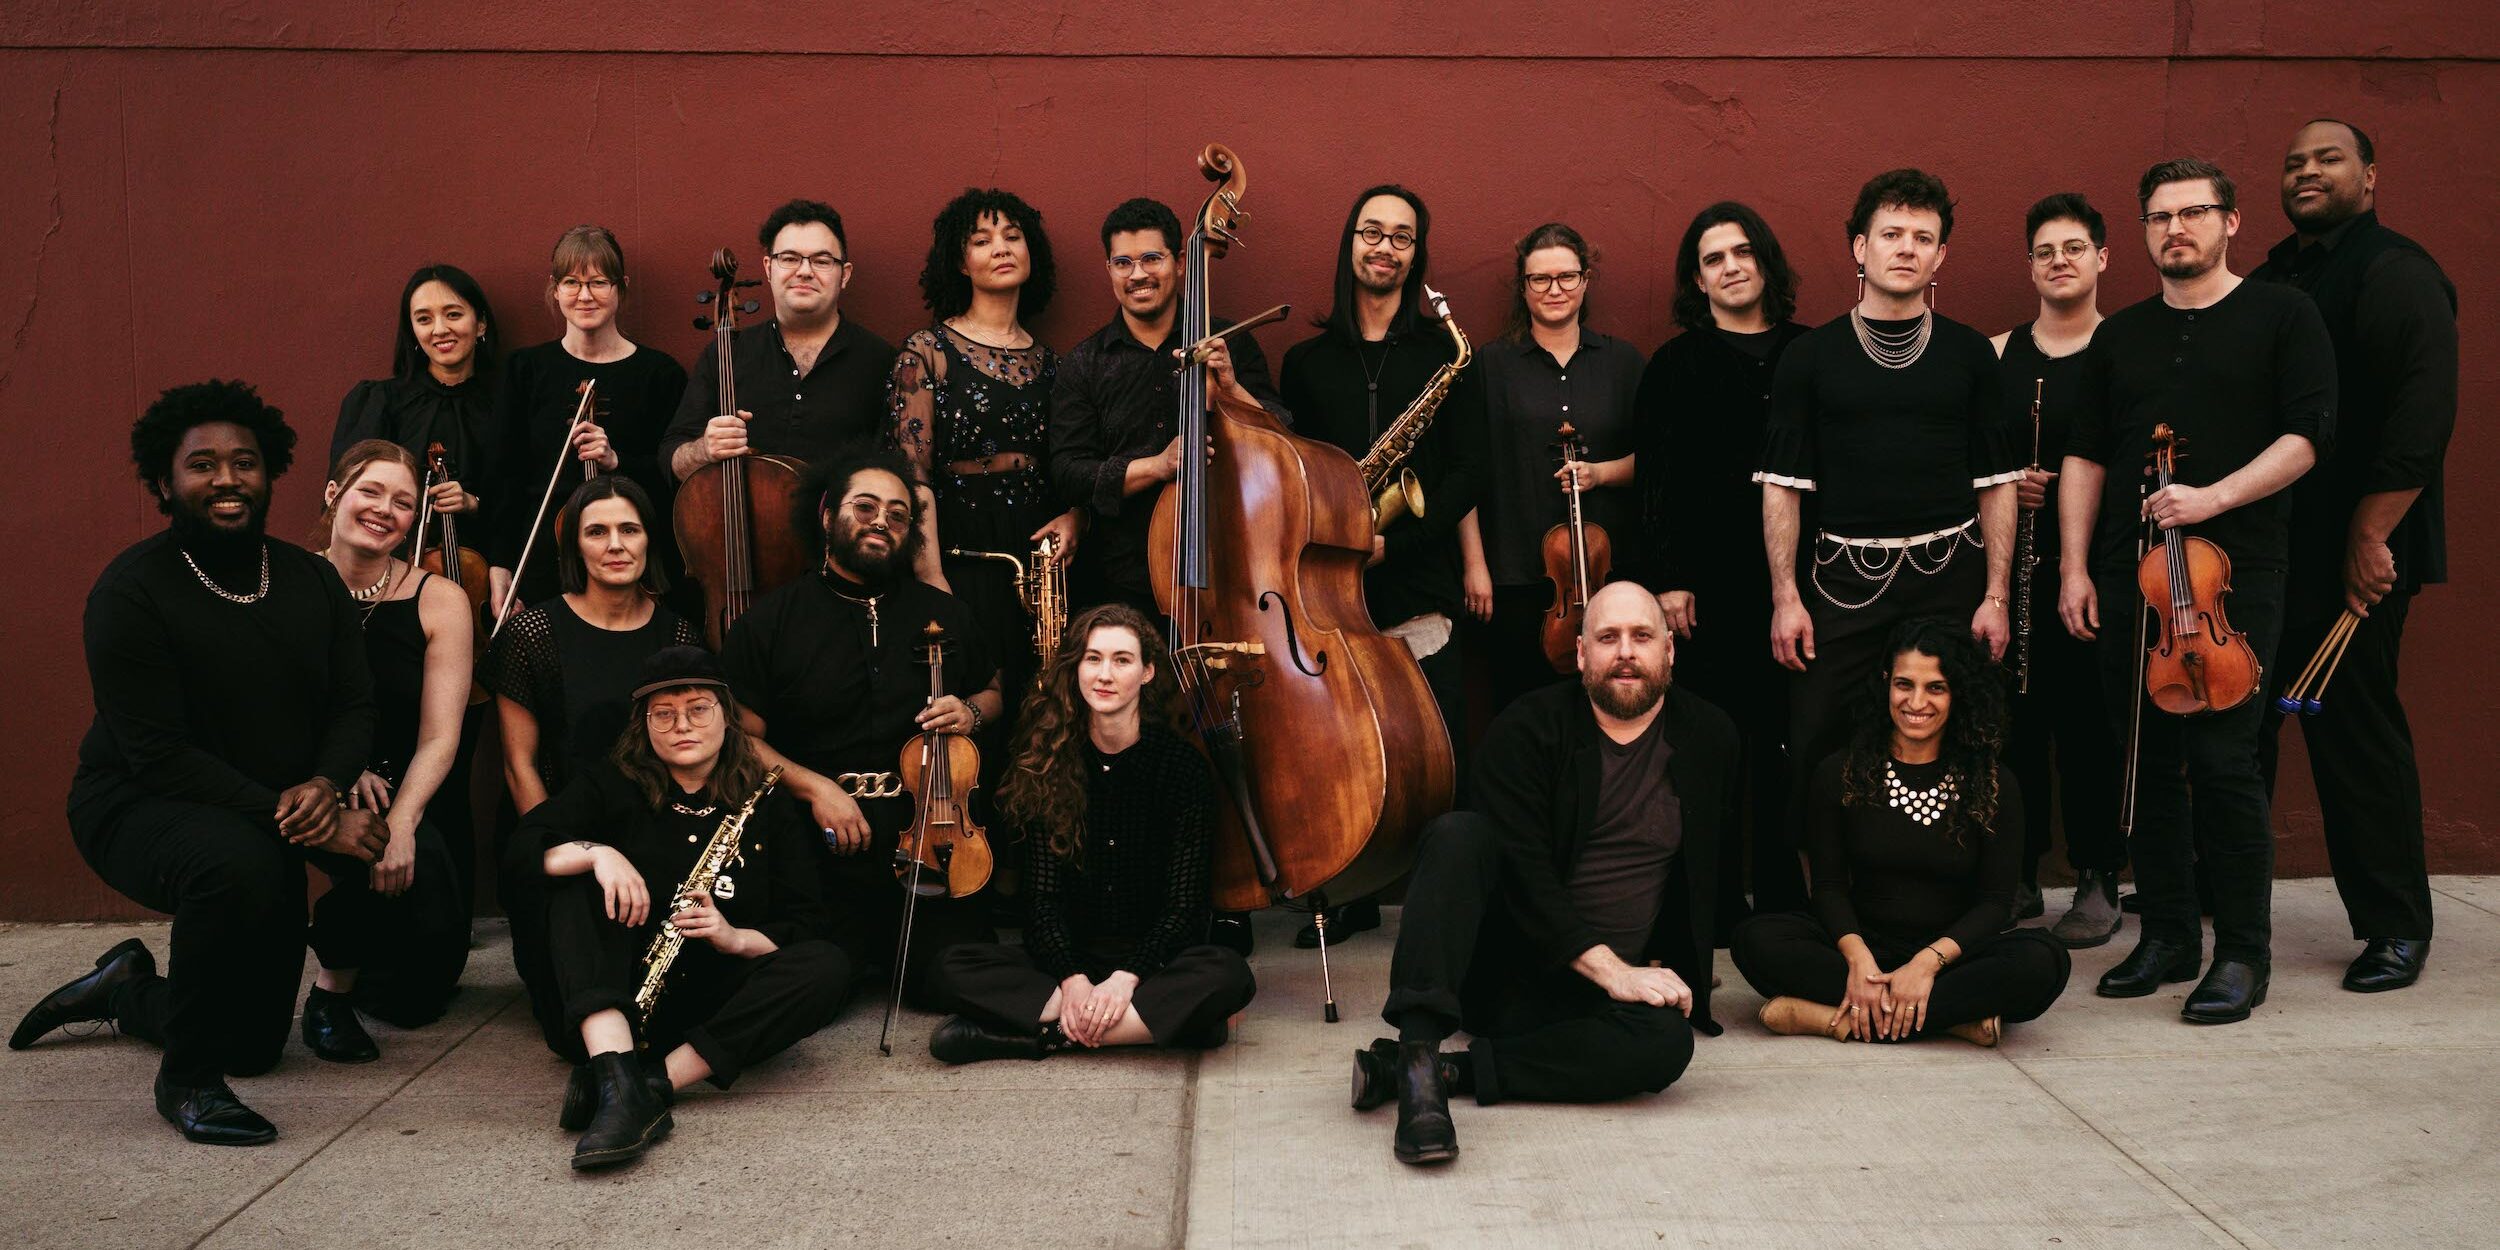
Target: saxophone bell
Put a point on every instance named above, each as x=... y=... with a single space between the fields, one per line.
x=1402 y=497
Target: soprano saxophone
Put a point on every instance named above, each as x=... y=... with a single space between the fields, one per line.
x=2026 y=556
x=1393 y=487
x=711 y=875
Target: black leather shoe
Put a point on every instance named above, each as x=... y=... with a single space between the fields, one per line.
x=630 y=1117
x=581 y=1093
x=960 y=1040
x=1425 y=1134
x=1343 y=922
x=212 y=1116
x=89 y=997
x=1231 y=930
x=2387 y=964
x=332 y=1030
x=2153 y=963
x=2232 y=988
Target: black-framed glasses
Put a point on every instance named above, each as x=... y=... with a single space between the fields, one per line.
x=2188 y=216
x=2071 y=249
x=574 y=286
x=1398 y=242
x=1143 y=260
x=821 y=262
x=1565 y=282
x=694 y=716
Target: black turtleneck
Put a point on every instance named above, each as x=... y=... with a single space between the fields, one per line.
x=833 y=700
x=420 y=411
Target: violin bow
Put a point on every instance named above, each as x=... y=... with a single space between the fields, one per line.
x=581 y=417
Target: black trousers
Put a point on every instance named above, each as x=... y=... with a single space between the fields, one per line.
x=521 y=882
x=1541 y=1033
x=734 y=1012
x=2200 y=806
x=2062 y=732
x=1728 y=662
x=2361 y=756
x=408 y=951
x=862 y=889
x=2014 y=975
x=1185 y=1003
x=1849 y=658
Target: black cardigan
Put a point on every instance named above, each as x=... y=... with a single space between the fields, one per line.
x=1536 y=777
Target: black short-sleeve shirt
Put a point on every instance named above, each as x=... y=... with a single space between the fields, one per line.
x=802 y=658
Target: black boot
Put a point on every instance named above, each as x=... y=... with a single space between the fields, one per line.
x=630 y=1115
x=332 y=1030
x=88 y=997
x=581 y=1092
x=1231 y=930
x=1376 y=1073
x=959 y=1040
x=211 y=1115
x=2153 y=963
x=1425 y=1134
x=2230 y=991
x=1343 y=922
x=2387 y=964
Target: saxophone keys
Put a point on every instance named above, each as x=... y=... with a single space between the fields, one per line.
x=725 y=887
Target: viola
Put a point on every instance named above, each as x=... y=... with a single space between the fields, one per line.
x=2196 y=662
x=461 y=566
x=733 y=516
x=1578 y=556
x=944 y=852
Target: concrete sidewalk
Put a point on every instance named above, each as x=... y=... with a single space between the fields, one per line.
x=2330 y=1119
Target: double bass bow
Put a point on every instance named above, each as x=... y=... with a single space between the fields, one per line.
x=1578 y=557
x=2197 y=662
x=733 y=515
x=943 y=852
x=1324 y=737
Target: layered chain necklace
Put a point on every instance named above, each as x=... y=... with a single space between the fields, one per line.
x=1924 y=806
x=1894 y=349
x=228 y=595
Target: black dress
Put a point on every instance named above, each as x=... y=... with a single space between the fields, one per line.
x=633 y=402
x=421 y=411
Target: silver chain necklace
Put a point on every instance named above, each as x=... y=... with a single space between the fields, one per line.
x=1894 y=349
x=1924 y=806
x=228 y=595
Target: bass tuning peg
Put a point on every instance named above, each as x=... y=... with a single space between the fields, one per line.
x=749 y=306
x=703 y=297
x=703 y=323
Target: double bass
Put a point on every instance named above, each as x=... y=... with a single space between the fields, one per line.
x=1578 y=556
x=2197 y=663
x=1321 y=729
x=733 y=516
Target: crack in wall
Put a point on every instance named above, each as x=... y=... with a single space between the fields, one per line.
x=43 y=245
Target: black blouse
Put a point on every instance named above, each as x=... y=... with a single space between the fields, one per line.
x=1704 y=402
x=1878 y=871
x=1527 y=396
x=420 y=411
x=576 y=679
x=633 y=402
x=1136 y=895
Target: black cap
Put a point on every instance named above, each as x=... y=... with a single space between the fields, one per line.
x=671 y=667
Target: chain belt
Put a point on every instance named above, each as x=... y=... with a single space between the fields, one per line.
x=870 y=785
x=1879 y=560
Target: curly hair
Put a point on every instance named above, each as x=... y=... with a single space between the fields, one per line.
x=1044 y=791
x=736 y=771
x=1974 y=727
x=947 y=289
x=158 y=433
x=1142 y=214
x=1779 y=282
x=1912 y=189
x=819 y=483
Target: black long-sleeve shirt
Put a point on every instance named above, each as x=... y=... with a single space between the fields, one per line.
x=634 y=401
x=1116 y=401
x=1527 y=396
x=204 y=700
x=1703 y=404
x=1878 y=871
x=1137 y=893
x=420 y=411
x=805 y=416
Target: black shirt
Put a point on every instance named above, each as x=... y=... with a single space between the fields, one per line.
x=204 y=700
x=832 y=702
x=1889 y=453
x=2230 y=379
x=1704 y=403
x=1633 y=836
x=576 y=680
x=1878 y=871
x=805 y=417
x=1117 y=400
x=421 y=411
x=1527 y=396
x=1328 y=382
x=633 y=402
x=2059 y=380
x=1137 y=892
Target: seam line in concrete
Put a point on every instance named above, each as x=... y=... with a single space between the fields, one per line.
x=2460 y=899
x=2218 y=1225
x=1182 y=1175
x=349 y=1127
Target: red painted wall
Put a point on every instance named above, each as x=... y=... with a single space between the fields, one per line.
x=238 y=189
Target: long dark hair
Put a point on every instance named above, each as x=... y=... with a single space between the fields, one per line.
x=1974 y=728
x=408 y=355
x=947 y=289
x=735 y=772
x=1779 y=282
x=1340 y=315
x=1551 y=234
x=1045 y=790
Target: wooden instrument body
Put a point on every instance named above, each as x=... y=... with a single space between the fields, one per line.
x=2197 y=663
x=462 y=566
x=716 y=519
x=1579 y=557
x=939 y=770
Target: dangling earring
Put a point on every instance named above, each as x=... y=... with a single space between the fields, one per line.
x=1931 y=295
x=1861 y=283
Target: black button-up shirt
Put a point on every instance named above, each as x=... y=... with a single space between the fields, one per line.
x=1527 y=396
x=806 y=416
x=1117 y=400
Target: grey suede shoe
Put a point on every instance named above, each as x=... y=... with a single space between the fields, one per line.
x=2094 y=919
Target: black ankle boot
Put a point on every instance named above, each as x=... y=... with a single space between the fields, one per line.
x=581 y=1093
x=2231 y=990
x=1376 y=1073
x=1424 y=1134
x=959 y=1040
x=332 y=1030
x=88 y=997
x=630 y=1116
x=2153 y=963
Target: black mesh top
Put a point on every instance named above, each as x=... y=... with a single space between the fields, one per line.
x=1137 y=894
x=576 y=679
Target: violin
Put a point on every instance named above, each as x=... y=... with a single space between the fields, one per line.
x=461 y=566
x=943 y=853
x=1578 y=555
x=2196 y=662
x=733 y=516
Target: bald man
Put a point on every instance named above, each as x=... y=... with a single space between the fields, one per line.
x=1562 y=917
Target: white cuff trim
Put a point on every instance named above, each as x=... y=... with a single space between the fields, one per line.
x=1983 y=483
x=1782 y=479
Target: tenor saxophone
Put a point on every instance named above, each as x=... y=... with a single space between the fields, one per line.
x=1041 y=585
x=1393 y=487
x=710 y=875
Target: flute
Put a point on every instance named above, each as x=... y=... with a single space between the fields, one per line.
x=2026 y=557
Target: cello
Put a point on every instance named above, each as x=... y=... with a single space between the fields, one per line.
x=461 y=566
x=1578 y=555
x=2197 y=663
x=943 y=852
x=733 y=516
x=1322 y=732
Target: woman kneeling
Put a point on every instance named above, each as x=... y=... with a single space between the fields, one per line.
x=1117 y=951
x=756 y=972
x=1914 y=834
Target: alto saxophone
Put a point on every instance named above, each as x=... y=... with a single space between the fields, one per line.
x=710 y=875
x=1041 y=585
x=1393 y=487
x=2026 y=556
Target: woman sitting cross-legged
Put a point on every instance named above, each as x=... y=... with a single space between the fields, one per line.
x=756 y=973
x=1117 y=951
x=1914 y=835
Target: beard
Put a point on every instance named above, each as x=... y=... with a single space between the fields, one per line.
x=1381 y=286
x=867 y=566
x=2201 y=263
x=1625 y=704
x=214 y=545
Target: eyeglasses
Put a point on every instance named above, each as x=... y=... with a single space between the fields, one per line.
x=2071 y=249
x=693 y=716
x=1565 y=282
x=1372 y=235
x=1142 y=260
x=570 y=287
x=2188 y=216
x=868 y=512
x=821 y=262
